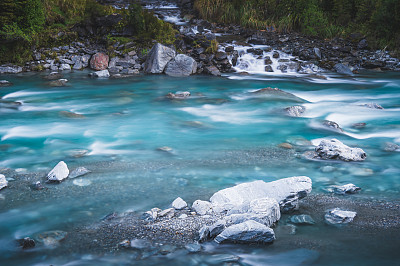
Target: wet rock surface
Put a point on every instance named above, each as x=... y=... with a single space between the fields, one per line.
x=334 y=149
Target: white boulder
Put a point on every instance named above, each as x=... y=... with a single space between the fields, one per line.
x=179 y=204
x=334 y=149
x=59 y=172
x=246 y=232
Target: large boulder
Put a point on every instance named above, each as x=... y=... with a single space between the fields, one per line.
x=99 y=61
x=58 y=173
x=334 y=149
x=181 y=66
x=10 y=69
x=158 y=58
x=343 y=69
x=246 y=232
x=286 y=192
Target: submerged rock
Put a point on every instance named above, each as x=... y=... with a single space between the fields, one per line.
x=58 y=173
x=338 y=216
x=51 y=239
x=58 y=83
x=332 y=125
x=301 y=219
x=26 y=242
x=373 y=106
x=3 y=182
x=178 y=95
x=246 y=232
x=81 y=182
x=5 y=83
x=345 y=189
x=391 y=147
x=286 y=192
x=295 y=111
x=53 y=76
x=181 y=66
x=193 y=248
x=359 y=125
x=80 y=171
x=158 y=58
x=71 y=114
x=38 y=186
x=276 y=93
x=334 y=149
x=179 y=204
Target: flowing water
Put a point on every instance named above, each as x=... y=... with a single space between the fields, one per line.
x=220 y=136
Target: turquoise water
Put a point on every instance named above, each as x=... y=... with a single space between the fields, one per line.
x=220 y=136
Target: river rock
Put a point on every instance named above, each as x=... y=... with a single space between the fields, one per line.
x=332 y=125
x=301 y=219
x=179 y=204
x=202 y=207
x=286 y=192
x=99 y=61
x=64 y=67
x=213 y=70
x=334 y=149
x=178 y=95
x=373 y=106
x=193 y=248
x=59 y=172
x=53 y=76
x=181 y=66
x=26 y=242
x=345 y=189
x=342 y=69
x=338 y=216
x=51 y=239
x=295 y=111
x=58 y=83
x=3 y=182
x=158 y=58
x=5 y=83
x=168 y=213
x=10 y=69
x=246 y=232
x=100 y=74
x=80 y=171
x=275 y=93
x=211 y=231
x=391 y=147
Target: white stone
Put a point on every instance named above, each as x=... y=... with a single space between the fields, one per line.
x=179 y=204
x=202 y=207
x=101 y=74
x=158 y=58
x=338 y=216
x=247 y=232
x=59 y=172
x=334 y=149
x=285 y=191
x=65 y=67
x=3 y=182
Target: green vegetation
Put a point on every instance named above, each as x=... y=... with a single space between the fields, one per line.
x=45 y=23
x=379 y=20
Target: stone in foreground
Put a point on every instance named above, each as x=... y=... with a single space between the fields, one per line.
x=303 y=219
x=179 y=204
x=80 y=171
x=59 y=172
x=158 y=58
x=334 y=149
x=247 y=232
x=99 y=61
x=345 y=189
x=3 y=182
x=202 y=207
x=338 y=216
x=181 y=66
x=286 y=192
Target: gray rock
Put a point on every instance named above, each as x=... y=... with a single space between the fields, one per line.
x=26 y=242
x=332 y=125
x=317 y=53
x=275 y=93
x=100 y=74
x=342 y=69
x=334 y=149
x=80 y=171
x=246 y=232
x=58 y=83
x=181 y=66
x=3 y=182
x=78 y=65
x=338 y=216
x=168 y=213
x=51 y=239
x=211 y=231
x=53 y=76
x=5 y=83
x=212 y=70
x=58 y=173
x=295 y=111
x=10 y=69
x=140 y=244
x=179 y=204
x=268 y=68
x=373 y=106
x=345 y=189
x=202 y=207
x=178 y=95
x=391 y=147
x=286 y=192
x=301 y=219
x=64 y=67
x=158 y=58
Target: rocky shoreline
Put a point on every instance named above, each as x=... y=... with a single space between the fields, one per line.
x=198 y=39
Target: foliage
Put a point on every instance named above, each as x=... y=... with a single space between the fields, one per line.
x=377 y=19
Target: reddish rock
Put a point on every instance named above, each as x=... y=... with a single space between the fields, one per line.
x=99 y=61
